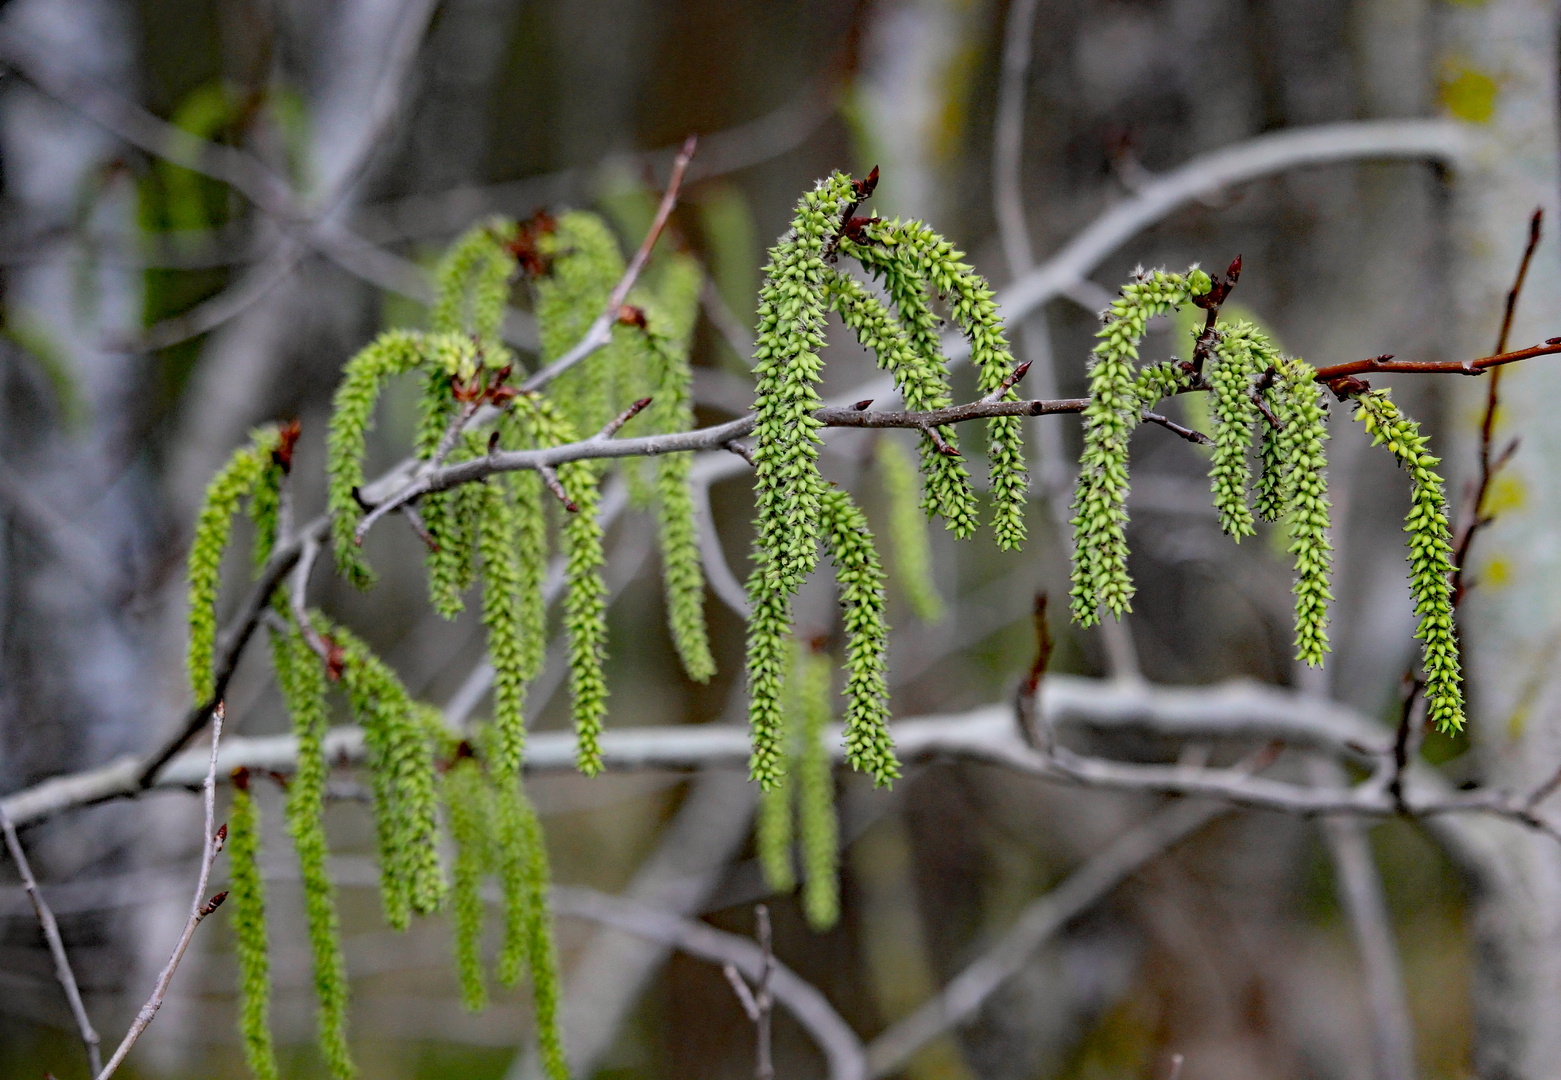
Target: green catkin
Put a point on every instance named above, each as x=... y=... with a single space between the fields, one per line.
x=531 y=564
x=265 y=509
x=787 y=367
x=787 y=485
x=512 y=862
x=773 y=827
x=918 y=376
x=1100 y=577
x=247 y=902
x=512 y=655
x=671 y=409
x=237 y=479
x=585 y=614
x=817 y=825
x=869 y=746
x=301 y=677
x=528 y=920
x=1430 y=554
x=472 y=287
x=908 y=531
x=467 y=799
x=1235 y=412
x=1275 y=485
x=769 y=633
x=973 y=309
x=352 y=417
x=585 y=602
x=401 y=763
x=1304 y=434
x=586 y=266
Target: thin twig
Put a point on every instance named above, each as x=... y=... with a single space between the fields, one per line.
x=740 y=988
x=1406 y=742
x=842 y=1049
x=600 y=331
x=764 y=1065
x=298 y=598
x=51 y=934
x=211 y=843
x=1012 y=377
x=964 y=994
x=1474 y=517
x=556 y=486
x=614 y=425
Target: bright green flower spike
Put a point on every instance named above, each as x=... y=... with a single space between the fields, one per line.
x=930 y=258
x=869 y=746
x=301 y=677
x=237 y=479
x=1430 y=554
x=247 y=905
x=469 y=811
x=919 y=377
x=1100 y=577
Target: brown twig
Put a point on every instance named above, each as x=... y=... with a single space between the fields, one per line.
x=1035 y=735
x=1387 y=365
x=1210 y=302
x=1474 y=517
x=200 y=907
x=1405 y=743
x=616 y=423
x=51 y=934
x=600 y=331
x=1013 y=377
x=556 y=486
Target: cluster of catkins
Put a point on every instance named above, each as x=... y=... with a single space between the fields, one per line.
x=1256 y=391
x=497 y=534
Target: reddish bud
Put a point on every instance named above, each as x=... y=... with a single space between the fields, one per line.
x=861 y=406
x=335 y=659
x=214 y=903
x=287 y=440
x=863 y=189
x=629 y=315
x=240 y=777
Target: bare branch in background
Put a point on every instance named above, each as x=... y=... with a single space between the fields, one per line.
x=211 y=843
x=842 y=1049
x=51 y=934
x=1359 y=889
x=758 y=1002
x=964 y=994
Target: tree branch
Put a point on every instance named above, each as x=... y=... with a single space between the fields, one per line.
x=51 y=934
x=964 y=994
x=600 y=331
x=211 y=843
x=842 y=1049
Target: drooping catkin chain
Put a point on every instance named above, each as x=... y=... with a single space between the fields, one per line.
x=469 y=812
x=232 y=484
x=1430 y=554
x=918 y=375
x=247 y=905
x=301 y=677
x=930 y=258
x=668 y=337
x=1100 y=577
